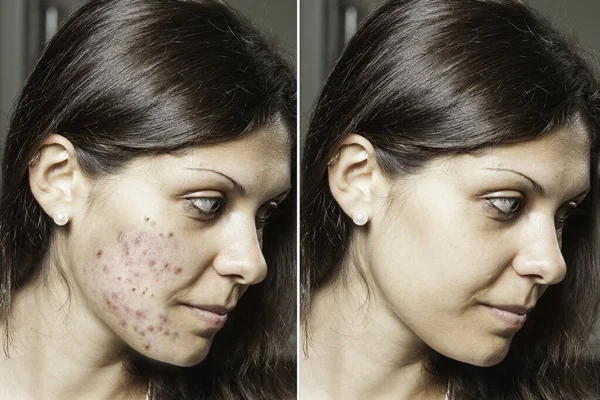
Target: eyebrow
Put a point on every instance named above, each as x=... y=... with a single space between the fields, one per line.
x=238 y=186
x=539 y=188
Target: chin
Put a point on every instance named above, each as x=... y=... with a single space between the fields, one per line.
x=488 y=357
x=180 y=356
x=481 y=355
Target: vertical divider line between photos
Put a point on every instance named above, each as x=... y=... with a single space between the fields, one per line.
x=298 y=211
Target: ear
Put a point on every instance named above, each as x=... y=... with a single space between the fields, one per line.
x=355 y=180
x=54 y=177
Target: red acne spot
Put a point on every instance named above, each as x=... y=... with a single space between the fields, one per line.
x=99 y=253
x=121 y=237
x=178 y=270
x=127 y=309
x=171 y=234
x=159 y=329
x=123 y=323
x=151 y=328
x=163 y=318
x=152 y=263
x=143 y=333
x=147 y=347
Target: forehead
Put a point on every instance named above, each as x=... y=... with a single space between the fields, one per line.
x=260 y=161
x=261 y=158
x=560 y=158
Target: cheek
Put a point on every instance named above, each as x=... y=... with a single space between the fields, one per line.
x=430 y=262
x=130 y=282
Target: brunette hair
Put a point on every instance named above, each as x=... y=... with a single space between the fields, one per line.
x=129 y=78
x=428 y=78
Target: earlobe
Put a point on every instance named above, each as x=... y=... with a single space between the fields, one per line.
x=352 y=175
x=52 y=175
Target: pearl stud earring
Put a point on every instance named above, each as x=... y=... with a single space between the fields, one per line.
x=60 y=218
x=360 y=218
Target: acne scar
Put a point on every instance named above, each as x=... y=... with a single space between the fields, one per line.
x=99 y=253
x=151 y=328
x=147 y=347
x=178 y=270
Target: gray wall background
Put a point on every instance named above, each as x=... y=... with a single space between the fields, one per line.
x=25 y=25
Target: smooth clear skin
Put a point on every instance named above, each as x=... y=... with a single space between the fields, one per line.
x=166 y=233
x=441 y=247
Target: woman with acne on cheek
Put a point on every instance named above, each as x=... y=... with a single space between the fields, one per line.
x=146 y=215
x=449 y=242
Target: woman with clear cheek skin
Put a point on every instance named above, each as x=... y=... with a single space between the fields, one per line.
x=460 y=185
x=143 y=257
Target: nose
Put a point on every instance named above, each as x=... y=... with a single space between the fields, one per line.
x=241 y=255
x=540 y=256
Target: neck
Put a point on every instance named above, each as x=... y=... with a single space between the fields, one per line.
x=358 y=350
x=59 y=349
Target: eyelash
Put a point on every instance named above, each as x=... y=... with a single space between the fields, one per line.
x=518 y=205
x=217 y=204
x=261 y=222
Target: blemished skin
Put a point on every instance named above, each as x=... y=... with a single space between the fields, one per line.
x=453 y=256
x=154 y=256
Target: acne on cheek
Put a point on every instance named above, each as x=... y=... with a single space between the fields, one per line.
x=125 y=274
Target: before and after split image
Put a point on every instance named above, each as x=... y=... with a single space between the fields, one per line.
x=299 y=199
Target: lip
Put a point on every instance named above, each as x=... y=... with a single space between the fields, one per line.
x=213 y=316
x=511 y=316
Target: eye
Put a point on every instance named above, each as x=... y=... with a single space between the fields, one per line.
x=264 y=213
x=207 y=207
x=506 y=207
x=563 y=214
